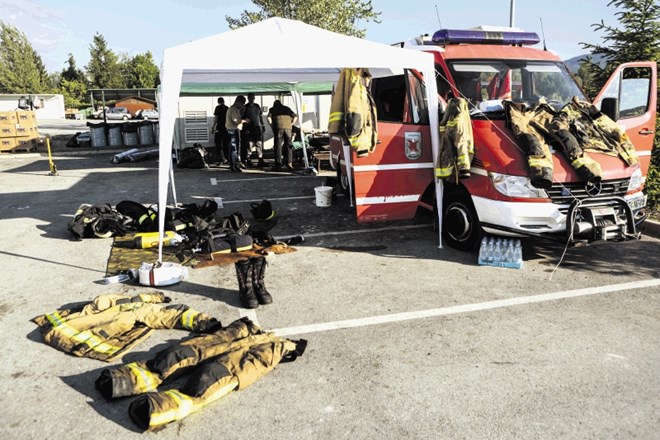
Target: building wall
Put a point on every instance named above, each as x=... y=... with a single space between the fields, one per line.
x=50 y=106
x=134 y=104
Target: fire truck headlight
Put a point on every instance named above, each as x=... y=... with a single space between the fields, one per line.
x=636 y=180
x=516 y=186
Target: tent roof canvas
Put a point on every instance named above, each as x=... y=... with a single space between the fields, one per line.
x=283 y=53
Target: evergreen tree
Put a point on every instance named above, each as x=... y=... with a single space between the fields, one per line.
x=71 y=72
x=21 y=67
x=637 y=39
x=341 y=16
x=104 y=69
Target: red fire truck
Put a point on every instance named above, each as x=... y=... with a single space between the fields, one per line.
x=486 y=66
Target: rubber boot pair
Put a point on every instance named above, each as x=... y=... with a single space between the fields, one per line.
x=251 y=287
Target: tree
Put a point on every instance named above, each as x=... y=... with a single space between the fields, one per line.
x=103 y=70
x=341 y=16
x=21 y=67
x=142 y=72
x=638 y=39
x=71 y=72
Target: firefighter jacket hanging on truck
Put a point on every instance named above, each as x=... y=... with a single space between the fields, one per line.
x=456 y=142
x=353 y=111
x=110 y=325
x=229 y=359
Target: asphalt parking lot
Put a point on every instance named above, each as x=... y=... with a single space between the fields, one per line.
x=405 y=340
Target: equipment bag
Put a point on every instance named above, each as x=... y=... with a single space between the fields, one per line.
x=192 y=157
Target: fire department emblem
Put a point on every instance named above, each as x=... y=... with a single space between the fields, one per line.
x=413 y=144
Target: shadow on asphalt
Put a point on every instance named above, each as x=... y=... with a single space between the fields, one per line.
x=334 y=229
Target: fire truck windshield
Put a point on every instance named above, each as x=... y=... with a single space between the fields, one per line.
x=486 y=83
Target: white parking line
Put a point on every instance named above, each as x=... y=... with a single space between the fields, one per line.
x=215 y=181
x=420 y=314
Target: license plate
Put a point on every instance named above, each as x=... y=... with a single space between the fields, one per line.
x=637 y=202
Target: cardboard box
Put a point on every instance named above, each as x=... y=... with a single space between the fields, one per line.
x=25 y=117
x=25 y=143
x=7 y=130
x=26 y=131
x=8 y=118
x=7 y=144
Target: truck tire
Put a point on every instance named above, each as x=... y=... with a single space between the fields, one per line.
x=342 y=180
x=460 y=224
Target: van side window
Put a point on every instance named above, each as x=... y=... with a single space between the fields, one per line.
x=418 y=106
x=632 y=90
x=389 y=94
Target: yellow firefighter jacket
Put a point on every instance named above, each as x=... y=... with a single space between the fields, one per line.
x=595 y=131
x=353 y=112
x=228 y=359
x=110 y=325
x=456 y=141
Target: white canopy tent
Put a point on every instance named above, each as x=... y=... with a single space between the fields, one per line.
x=297 y=58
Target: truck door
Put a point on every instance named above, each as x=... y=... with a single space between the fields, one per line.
x=635 y=86
x=389 y=182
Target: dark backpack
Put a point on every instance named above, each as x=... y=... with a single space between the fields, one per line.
x=192 y=157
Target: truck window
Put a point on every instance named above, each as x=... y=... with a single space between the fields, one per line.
x=486 y=83
x=632 y=90
x=418 y=105
x=389 y=93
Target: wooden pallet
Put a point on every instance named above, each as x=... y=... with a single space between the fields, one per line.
x=22 y=149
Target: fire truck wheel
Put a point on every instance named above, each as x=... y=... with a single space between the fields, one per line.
x=460 y=223
x=342 y=178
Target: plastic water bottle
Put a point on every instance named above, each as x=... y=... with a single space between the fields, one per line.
x=497 y=257
x=490 y=250
x=517 y=253
x=483 y=249
x=508 y=253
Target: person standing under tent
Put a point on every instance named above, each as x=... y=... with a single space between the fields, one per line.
x=254 y=130
x=282 y=118
x=234 y=124
x=221 y=136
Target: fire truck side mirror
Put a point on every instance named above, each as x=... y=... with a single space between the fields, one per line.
x=610 y=107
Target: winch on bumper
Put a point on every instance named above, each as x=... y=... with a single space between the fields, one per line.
x=600 y=219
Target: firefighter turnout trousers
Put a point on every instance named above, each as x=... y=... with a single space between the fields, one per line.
x=539 y=156
x=229 y=359
x=353 y=111
x=110 y=325
x=456 y=141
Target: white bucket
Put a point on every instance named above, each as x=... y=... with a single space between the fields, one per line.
x=164 y=275
x=323 y=196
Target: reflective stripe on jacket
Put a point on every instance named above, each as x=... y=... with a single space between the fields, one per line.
x=353 y=111
x=110 y=325
x=456 y=140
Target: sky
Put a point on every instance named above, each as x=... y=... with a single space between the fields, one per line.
x=56 y=28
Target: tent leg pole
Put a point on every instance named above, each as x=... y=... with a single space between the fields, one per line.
x=347 y=161
x=172 y=183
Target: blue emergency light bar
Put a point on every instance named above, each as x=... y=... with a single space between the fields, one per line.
x=456 y=36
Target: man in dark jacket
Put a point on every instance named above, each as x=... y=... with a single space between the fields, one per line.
x=282 y=118
x=221 y=136
x=253 y=131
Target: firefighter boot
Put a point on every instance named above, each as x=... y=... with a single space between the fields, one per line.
x=244 y=273
x=259 y=269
